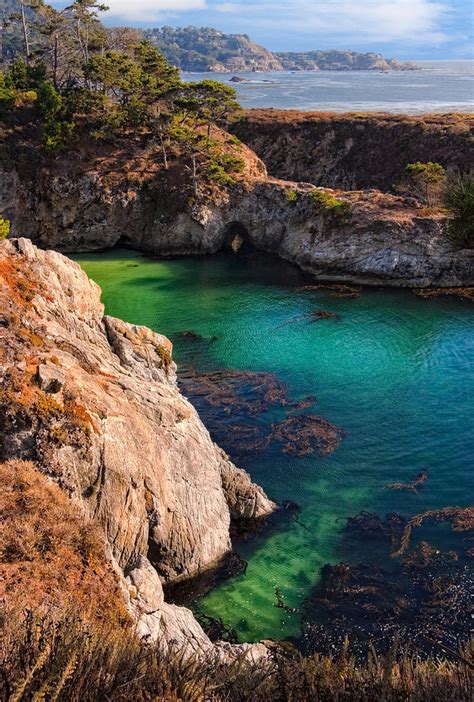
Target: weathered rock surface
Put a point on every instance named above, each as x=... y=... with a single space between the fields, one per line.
x=387 y=240
x=89 y=202
x=201 y=49
x=356 y=150
x=137 y=459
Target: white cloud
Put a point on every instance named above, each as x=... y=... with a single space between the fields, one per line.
x=376 y=21
x=139 y=11
x=383 y=20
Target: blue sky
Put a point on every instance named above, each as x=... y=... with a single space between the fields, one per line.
x=402 y=28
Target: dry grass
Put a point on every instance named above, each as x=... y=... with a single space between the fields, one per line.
x=52 y=558
x=72 y=661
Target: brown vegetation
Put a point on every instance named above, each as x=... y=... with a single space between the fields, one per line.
x=354 y=150
x=459 y=518
x=429 y=293
x=52 y=558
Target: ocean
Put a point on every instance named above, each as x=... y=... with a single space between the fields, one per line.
x=437 y=86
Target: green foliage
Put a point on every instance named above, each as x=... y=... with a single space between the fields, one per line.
x=427 y=180
x=460 y=203
x=49 y=102
x=56 y=135
x=336 y=208
x=231 y=163
x=18 y=75
x=7 y=96
x=4 y=228
x=234 y=140
x=217 y=174
x=292 y=196
x=427 y=172
x=208 y=102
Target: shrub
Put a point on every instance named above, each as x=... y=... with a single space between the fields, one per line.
x=56 y=135
x=49 y=101
x=460 y=203
x=231 y=163
x=234 y=140
x=7 y=96
x=217 y=174
x=427 y=180
x=292 y=196
x=52 y=558
x=4 y=228
x=337 y=208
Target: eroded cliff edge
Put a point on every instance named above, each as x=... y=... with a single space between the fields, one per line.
x=97 y=197
x=93 y=402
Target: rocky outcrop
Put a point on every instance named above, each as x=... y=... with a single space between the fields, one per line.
x=93 y=401
x=355 y=151
x=92 y=200
x=385 y=240
x=339 y=61
x=203 y=49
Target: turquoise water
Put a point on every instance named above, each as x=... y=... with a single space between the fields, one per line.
x=395 y=371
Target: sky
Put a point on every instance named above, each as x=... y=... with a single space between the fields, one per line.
x=406 y=29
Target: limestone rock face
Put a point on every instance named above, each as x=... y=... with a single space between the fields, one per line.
x=144 y=466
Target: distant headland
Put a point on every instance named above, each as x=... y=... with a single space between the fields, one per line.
x=203 y=49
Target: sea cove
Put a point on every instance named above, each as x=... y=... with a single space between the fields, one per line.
x=391 y=369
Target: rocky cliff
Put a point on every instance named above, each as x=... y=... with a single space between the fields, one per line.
x=382 y=239
x=202 y=49
x=93 y=402
x=354 y=151
x=205 y=49
x=339 y=61
x=99 y=195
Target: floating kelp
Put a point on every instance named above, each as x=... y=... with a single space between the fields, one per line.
x=304 y=434
x=429 y=293
x=280 y=602
x=238 y=391
x=460 y=519
x=367 y=523
x=348 y=292
x=317 y=315
x=229 y=401
x=424 y=555
x=411 y=485
x=423 y=601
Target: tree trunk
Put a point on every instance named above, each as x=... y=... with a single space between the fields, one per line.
x=194 y=173
x=55 y=61
x=163 y=151
x=26 y=39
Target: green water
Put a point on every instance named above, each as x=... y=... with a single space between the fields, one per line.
x=395 y=371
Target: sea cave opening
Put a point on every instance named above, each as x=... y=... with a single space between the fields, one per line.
x=237 y=238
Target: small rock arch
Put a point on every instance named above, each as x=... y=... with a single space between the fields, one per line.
x=237 y=238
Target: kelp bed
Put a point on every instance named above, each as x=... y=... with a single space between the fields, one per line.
x=229 y=401
x=422 y=601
